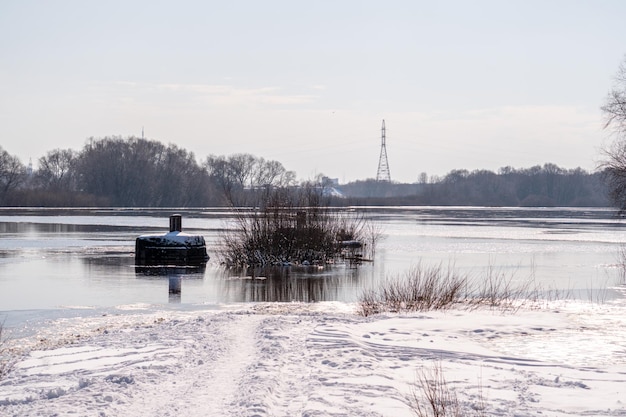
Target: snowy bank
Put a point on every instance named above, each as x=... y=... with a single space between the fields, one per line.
x=318 y=360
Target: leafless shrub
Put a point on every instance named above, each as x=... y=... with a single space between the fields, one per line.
x=372 y=233
x=370 y=303
x=290 y=225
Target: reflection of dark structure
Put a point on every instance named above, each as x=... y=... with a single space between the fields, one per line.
x=173 y=248
x=148 y=271
x=174 y=274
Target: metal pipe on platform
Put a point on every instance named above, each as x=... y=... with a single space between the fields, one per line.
x=176 y=223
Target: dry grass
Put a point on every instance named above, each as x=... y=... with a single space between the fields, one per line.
x=502 y=290
x=431 y=396
x=6 y=364
x=421 y=289
x=426 y=288
x=621 y=262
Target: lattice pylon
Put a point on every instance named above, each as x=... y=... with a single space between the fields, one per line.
x=383 y=173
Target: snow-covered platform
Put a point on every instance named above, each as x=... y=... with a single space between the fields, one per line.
x=172 y=248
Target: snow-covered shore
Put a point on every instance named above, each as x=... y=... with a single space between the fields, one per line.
x=319 y=360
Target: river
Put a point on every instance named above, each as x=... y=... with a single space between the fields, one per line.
x=79 y=259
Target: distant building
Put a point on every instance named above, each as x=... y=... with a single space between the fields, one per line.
x=332 y=192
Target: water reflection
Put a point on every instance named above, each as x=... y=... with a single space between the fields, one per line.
x=48 y=228
x=109 y=260
x=175 y=276
x=213 y=283
x=287 y=284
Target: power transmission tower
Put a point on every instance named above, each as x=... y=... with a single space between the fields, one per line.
x=383 y=164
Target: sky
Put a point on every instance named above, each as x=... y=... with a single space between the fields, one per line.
x=460 y=84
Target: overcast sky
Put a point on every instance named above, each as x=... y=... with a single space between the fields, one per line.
x=460 y=84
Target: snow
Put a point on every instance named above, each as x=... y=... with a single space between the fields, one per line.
x=321 y=359
x=175 y=238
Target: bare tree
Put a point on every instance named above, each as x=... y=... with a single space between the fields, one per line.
x=12 y=173
x=614 y=169
x=269 y=173
x=242 y=168
x=614 y=108
x=614 y=165
x=56 y=169
x=239 y=175
x=138 y=172
x=220 y=172
x=179 y=180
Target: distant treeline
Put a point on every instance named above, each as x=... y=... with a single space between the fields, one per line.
x=133 y=172
x=539 y=186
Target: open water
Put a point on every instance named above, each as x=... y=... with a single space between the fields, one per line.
x=84 y=258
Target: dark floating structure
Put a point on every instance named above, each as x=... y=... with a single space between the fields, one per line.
x=172 y=248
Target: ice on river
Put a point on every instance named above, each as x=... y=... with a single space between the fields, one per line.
x=319 y=360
